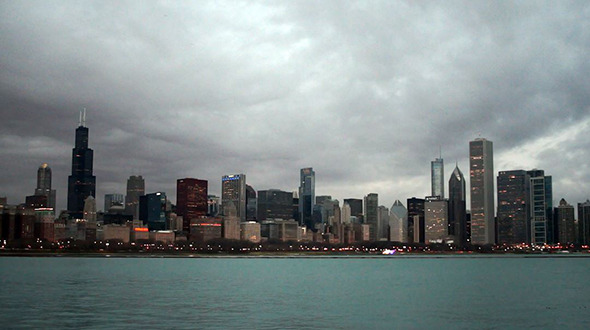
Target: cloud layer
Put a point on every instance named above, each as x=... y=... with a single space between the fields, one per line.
x=366 y=93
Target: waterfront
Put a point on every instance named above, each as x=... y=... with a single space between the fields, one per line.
x=276 y=293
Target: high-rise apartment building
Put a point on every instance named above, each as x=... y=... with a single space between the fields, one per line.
x=44 y=185
x=481 y=168
x=584 y=222
x=513 y=207
x=566 y=228
x=306 y=197
x=233 y=191
x=437 y=177
x=457 y=207
x=135 y=189
x=371 y=215
x=81 y=183
x=541 y=208
x=191 y=200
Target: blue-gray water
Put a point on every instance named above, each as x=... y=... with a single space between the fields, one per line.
x=282 y=293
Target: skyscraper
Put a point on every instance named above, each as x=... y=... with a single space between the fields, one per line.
x=135 y=189
x=251 y=203
x=398 y=223
x=371 y=216
x=513 y=207
x=457 y=207
x=541 y=208
x=436 y=219
x=345 y=213
x=481 y=165
x=152 y=210
x=437 y=176
x=383 y=223
x=233 y=190
x=191 y=200
x=415 y=220
x=564 y=217
x=274 y=204
x=306 y=197
x=44 y=185
x=584 y=222
x=82 y=183
x=356 y=207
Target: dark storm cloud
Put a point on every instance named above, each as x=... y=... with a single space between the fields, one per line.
x=365 y=92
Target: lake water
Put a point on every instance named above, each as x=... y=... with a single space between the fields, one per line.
x=295 y=293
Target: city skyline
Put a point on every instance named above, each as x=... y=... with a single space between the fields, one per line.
x=312 y=91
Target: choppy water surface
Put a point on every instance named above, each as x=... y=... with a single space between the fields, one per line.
x=295 y=293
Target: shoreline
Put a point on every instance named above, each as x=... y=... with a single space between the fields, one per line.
x=282 y=255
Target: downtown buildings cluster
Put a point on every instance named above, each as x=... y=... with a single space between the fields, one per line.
x=525 y=214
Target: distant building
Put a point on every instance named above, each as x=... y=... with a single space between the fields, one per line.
x=81 y=183
x=345 y=214
x=250 y=231
x=205 y=229
x=111 y=200
x=481 y=166
x=566 y=228
x=415 y=220
x=191 y=200
x=437 y=176
x=436 y=220
x=513 y=207
x=383 y=223
x=306 y=197
x=115 y=232
x=135 y=189
x=584 y=222
x=17 y=223
x=44 y=185
x=356 y=207
x=212 y=206
x=36 y=201
x=457 y=207
x=251 y=203
x=233 y=190
x=371 y=216
x=398 y=223
x=152 y=210
x=541 y=208
x=90 y=210
x=274 y=204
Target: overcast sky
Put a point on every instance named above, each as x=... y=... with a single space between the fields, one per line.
x=364 y=92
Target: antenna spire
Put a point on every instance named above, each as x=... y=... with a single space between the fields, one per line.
x=83 y=118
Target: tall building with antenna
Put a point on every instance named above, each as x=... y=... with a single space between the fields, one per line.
x=81 y=183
